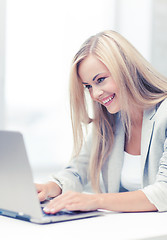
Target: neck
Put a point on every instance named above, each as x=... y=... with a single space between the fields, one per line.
x=136 y=117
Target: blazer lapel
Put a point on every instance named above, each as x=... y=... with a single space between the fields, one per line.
x=147 y=131
x=111 y=171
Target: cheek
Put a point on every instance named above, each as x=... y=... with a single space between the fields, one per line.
x=111 y=86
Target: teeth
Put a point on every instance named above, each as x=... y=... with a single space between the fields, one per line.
x=109 y=99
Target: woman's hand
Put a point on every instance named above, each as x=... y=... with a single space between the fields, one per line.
x=73 y=201
x=50 y=189
x=135 y=201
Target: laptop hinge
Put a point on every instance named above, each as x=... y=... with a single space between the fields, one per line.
x=19 y=215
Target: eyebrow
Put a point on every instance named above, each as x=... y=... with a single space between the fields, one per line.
x=94 y=78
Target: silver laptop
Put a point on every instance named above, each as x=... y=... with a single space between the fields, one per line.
x=18 y=196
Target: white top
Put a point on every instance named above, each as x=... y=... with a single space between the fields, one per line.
x=131 y=172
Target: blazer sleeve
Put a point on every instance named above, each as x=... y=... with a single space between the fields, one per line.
x=75 y=176
x=157 y=192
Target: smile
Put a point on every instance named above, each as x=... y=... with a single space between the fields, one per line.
x=109 y=99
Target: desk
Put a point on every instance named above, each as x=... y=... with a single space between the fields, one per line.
x=116 y=226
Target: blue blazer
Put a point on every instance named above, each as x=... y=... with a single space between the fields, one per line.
x=153 y=160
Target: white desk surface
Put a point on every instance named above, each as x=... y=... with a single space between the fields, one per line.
x=113 y=226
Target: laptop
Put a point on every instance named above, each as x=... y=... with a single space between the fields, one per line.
x=18 y=195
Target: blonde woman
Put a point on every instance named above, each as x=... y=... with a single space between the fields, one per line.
x=127 y=149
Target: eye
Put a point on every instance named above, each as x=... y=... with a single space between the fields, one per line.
x=88 y=86
x=99 y=80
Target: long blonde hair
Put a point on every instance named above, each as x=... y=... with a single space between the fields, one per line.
x=138 y=83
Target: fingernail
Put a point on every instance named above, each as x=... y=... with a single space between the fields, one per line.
x=46 y=209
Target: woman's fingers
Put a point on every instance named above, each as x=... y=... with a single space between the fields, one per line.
x=72 y=201
x=42 y=191
x=50 y=189
x=58 y=203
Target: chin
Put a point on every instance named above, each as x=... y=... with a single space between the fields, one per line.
x=113 y=111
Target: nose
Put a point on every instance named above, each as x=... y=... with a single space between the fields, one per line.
x=96 y=92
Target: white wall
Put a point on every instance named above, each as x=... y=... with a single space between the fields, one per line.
x=134 y=21
x=2 y=61
x=42 y=37
x=144 y=23
x=159 y=36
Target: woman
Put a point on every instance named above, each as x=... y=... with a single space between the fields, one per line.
x=128 y=145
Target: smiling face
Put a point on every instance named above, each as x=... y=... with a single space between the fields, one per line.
x=102 y=88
